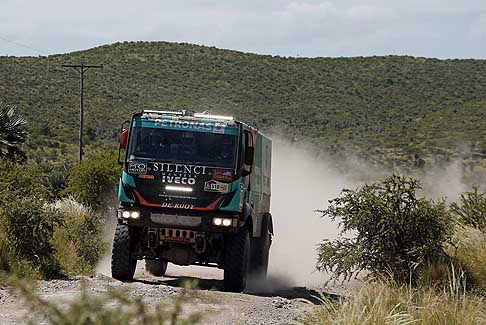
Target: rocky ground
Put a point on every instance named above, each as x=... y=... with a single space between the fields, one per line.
x=268 y=302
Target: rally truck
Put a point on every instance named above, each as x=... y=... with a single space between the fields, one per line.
x=195 y=190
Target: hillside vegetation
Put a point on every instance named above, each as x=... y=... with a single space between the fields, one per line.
x=401 y=110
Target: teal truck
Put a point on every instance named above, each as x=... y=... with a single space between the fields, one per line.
x=195 y=190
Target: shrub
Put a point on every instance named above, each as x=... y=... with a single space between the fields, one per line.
x=26 y=223
x=79 y=240
x=382 y=303
x=93 y=180
x=11 y=263
x=38 y=239
x=29 y=226
x=472 y=209
x=386 y=230
x=56 y=179
x=21 y=181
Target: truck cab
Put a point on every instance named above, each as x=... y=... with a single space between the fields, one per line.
x=194 y=190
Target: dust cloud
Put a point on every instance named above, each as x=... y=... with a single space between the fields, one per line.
x=104 y=265
x=446 y=182
x=302 y=182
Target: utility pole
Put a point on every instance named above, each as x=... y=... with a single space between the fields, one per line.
x=81 y=69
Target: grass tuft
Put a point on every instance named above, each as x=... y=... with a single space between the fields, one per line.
x=78 y=242
x=385 y=303
x=470 y=252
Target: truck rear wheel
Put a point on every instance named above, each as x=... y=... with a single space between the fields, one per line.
x=156 y=267
x=260 y=251
x=236 y=260
x=123 y=264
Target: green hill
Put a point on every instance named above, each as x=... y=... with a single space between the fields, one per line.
x=394 y=109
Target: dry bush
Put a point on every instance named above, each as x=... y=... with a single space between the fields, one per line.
x=470 y=253
x=78 y=242
x=384 y=303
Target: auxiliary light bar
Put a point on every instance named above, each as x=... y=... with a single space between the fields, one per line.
x=178 y=188
x=215 y=117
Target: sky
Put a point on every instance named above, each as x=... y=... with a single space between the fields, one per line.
x=312 y=28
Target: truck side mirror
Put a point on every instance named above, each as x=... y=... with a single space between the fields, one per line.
x=123 y=139
x=249 y=154
x=249 y=149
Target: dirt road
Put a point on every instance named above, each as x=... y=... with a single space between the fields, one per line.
x=262 y=303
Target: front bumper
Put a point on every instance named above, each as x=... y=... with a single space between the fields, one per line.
x=201 y=221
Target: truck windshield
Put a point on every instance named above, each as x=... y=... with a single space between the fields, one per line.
x=179 y=146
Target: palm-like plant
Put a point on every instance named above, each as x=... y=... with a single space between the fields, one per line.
x=12 y=133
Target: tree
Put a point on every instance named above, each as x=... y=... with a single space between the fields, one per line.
x=12 y=133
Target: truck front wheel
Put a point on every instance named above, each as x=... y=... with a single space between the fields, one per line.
x=236 y=260
x=123 y=264
x=156 y=267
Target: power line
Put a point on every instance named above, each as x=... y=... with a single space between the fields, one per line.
x=81 y=69
x=22 y=45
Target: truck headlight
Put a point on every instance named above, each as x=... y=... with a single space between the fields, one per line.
x=135 y=214
x=225 y=222
x=130 y=214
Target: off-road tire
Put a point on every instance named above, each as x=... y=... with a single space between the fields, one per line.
x=236 y=260
x=123 y=264
x=260 y=251
x=156 y=267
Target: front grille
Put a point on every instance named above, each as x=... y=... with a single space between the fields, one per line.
x=175 y=220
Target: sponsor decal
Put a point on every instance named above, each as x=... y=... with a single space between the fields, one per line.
x=146 y=176
x=217 y=127
x=178 y=180
x=179 y=168
x=177 y=205
x=137 y=168
x=215 y=186
x=220 y=127
x=222 y=175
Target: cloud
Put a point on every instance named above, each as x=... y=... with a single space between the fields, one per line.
x=437 y=28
